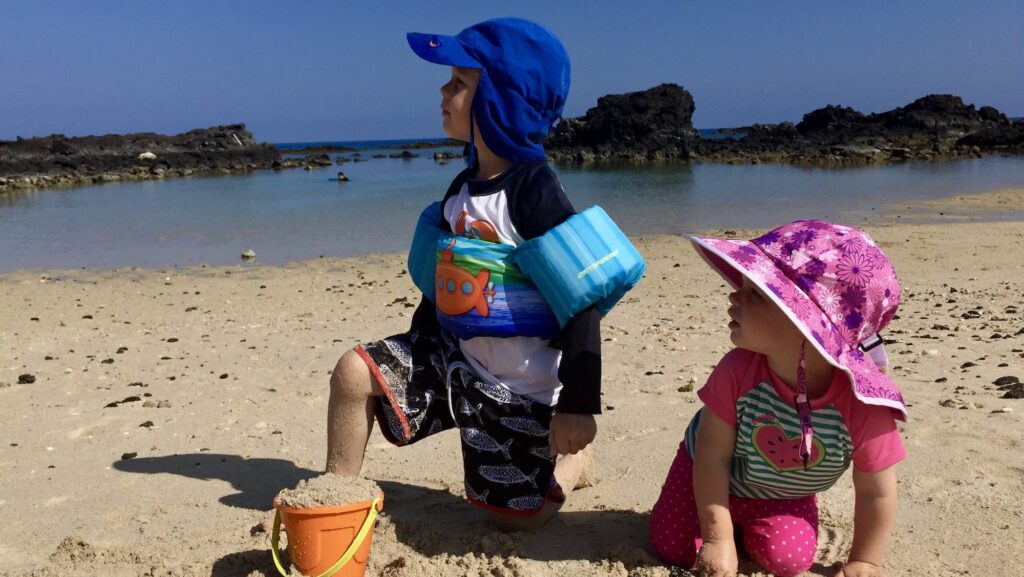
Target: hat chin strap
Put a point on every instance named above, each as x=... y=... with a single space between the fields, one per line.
x=803 y=408
x=875 y=349
x=878 y=355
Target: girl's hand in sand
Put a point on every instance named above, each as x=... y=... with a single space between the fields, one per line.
x=860 y=569
x=717 y=559
x=571 y=433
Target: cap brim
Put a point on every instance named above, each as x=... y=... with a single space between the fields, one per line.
x=870 y=385
x=444 y=50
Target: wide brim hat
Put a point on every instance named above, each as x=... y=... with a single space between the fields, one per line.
x=833 y=283
x=523 y=86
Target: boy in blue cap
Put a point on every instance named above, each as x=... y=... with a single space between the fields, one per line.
x=524 y=405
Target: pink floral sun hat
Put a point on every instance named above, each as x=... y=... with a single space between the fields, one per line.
x=833 y=283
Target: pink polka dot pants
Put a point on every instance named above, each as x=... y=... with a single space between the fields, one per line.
x=780 y=535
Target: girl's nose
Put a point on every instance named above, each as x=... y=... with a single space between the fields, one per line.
x=734 y=298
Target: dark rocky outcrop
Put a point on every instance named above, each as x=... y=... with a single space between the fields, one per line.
x=1009 y=137
x=58 y=160
x=648 y=125
x=656 y=124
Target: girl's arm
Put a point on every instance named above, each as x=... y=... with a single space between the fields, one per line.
x=716 y=441
x=873 y=517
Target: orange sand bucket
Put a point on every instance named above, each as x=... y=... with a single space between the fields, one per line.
x=326 y=541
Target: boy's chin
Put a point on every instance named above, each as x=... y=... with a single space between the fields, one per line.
x=446 y=126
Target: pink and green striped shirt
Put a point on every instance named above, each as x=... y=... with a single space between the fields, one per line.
x=744 y=392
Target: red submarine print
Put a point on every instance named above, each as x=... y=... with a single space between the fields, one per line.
x=459 y=292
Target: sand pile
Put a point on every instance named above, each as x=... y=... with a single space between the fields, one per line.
x=329 y=491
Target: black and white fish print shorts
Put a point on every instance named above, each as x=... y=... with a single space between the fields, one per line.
x=507 y=462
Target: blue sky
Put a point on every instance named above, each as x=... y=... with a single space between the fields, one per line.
x=335 y=70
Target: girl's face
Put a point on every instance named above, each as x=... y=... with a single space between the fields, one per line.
x=759 y=325
x=456 y=101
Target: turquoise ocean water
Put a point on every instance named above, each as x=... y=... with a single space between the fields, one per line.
x=296 y=214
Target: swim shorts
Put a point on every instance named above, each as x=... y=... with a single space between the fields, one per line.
x=430 y=387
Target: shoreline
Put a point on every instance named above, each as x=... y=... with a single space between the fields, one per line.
x=956 y=209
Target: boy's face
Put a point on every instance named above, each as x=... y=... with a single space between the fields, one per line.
x=758 y=324
x=456 y=101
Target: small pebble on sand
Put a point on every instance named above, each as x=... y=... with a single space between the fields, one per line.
x=329 y=490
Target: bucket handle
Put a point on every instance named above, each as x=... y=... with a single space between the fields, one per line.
x=345 y=558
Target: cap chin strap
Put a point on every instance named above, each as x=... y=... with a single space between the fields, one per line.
x=876 y=350
x=472 y=139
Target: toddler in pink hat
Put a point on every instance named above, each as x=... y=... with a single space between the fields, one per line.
x=802 y=396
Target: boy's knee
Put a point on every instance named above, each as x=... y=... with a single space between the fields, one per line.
x=509 y=522
x=350 y=376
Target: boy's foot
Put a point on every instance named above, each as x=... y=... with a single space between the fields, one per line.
x=587 y=477
x=575 y=471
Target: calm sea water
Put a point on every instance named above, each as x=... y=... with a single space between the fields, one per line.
x=297 y=215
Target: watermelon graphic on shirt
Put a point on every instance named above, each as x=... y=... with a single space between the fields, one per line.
x=781 y=451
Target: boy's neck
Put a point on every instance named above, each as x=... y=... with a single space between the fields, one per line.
x=489 y=165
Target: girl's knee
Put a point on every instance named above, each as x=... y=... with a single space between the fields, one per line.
x=783 y=558
x=674 y=549
x=672 y=543
x=675 y=529
x=786 y=567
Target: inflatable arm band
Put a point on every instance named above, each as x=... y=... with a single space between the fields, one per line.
x=583 y=261
x=488 y=289
x=423 y=252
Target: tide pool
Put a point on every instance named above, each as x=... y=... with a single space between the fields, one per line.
x=296 y=214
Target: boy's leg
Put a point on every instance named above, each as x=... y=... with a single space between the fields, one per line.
x=675 y=526
x=780 y=535
x=350 y=414
x=399 y=380
x=569 y=470
x=507 y=463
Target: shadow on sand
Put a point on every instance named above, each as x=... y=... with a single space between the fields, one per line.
x=428 y=520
